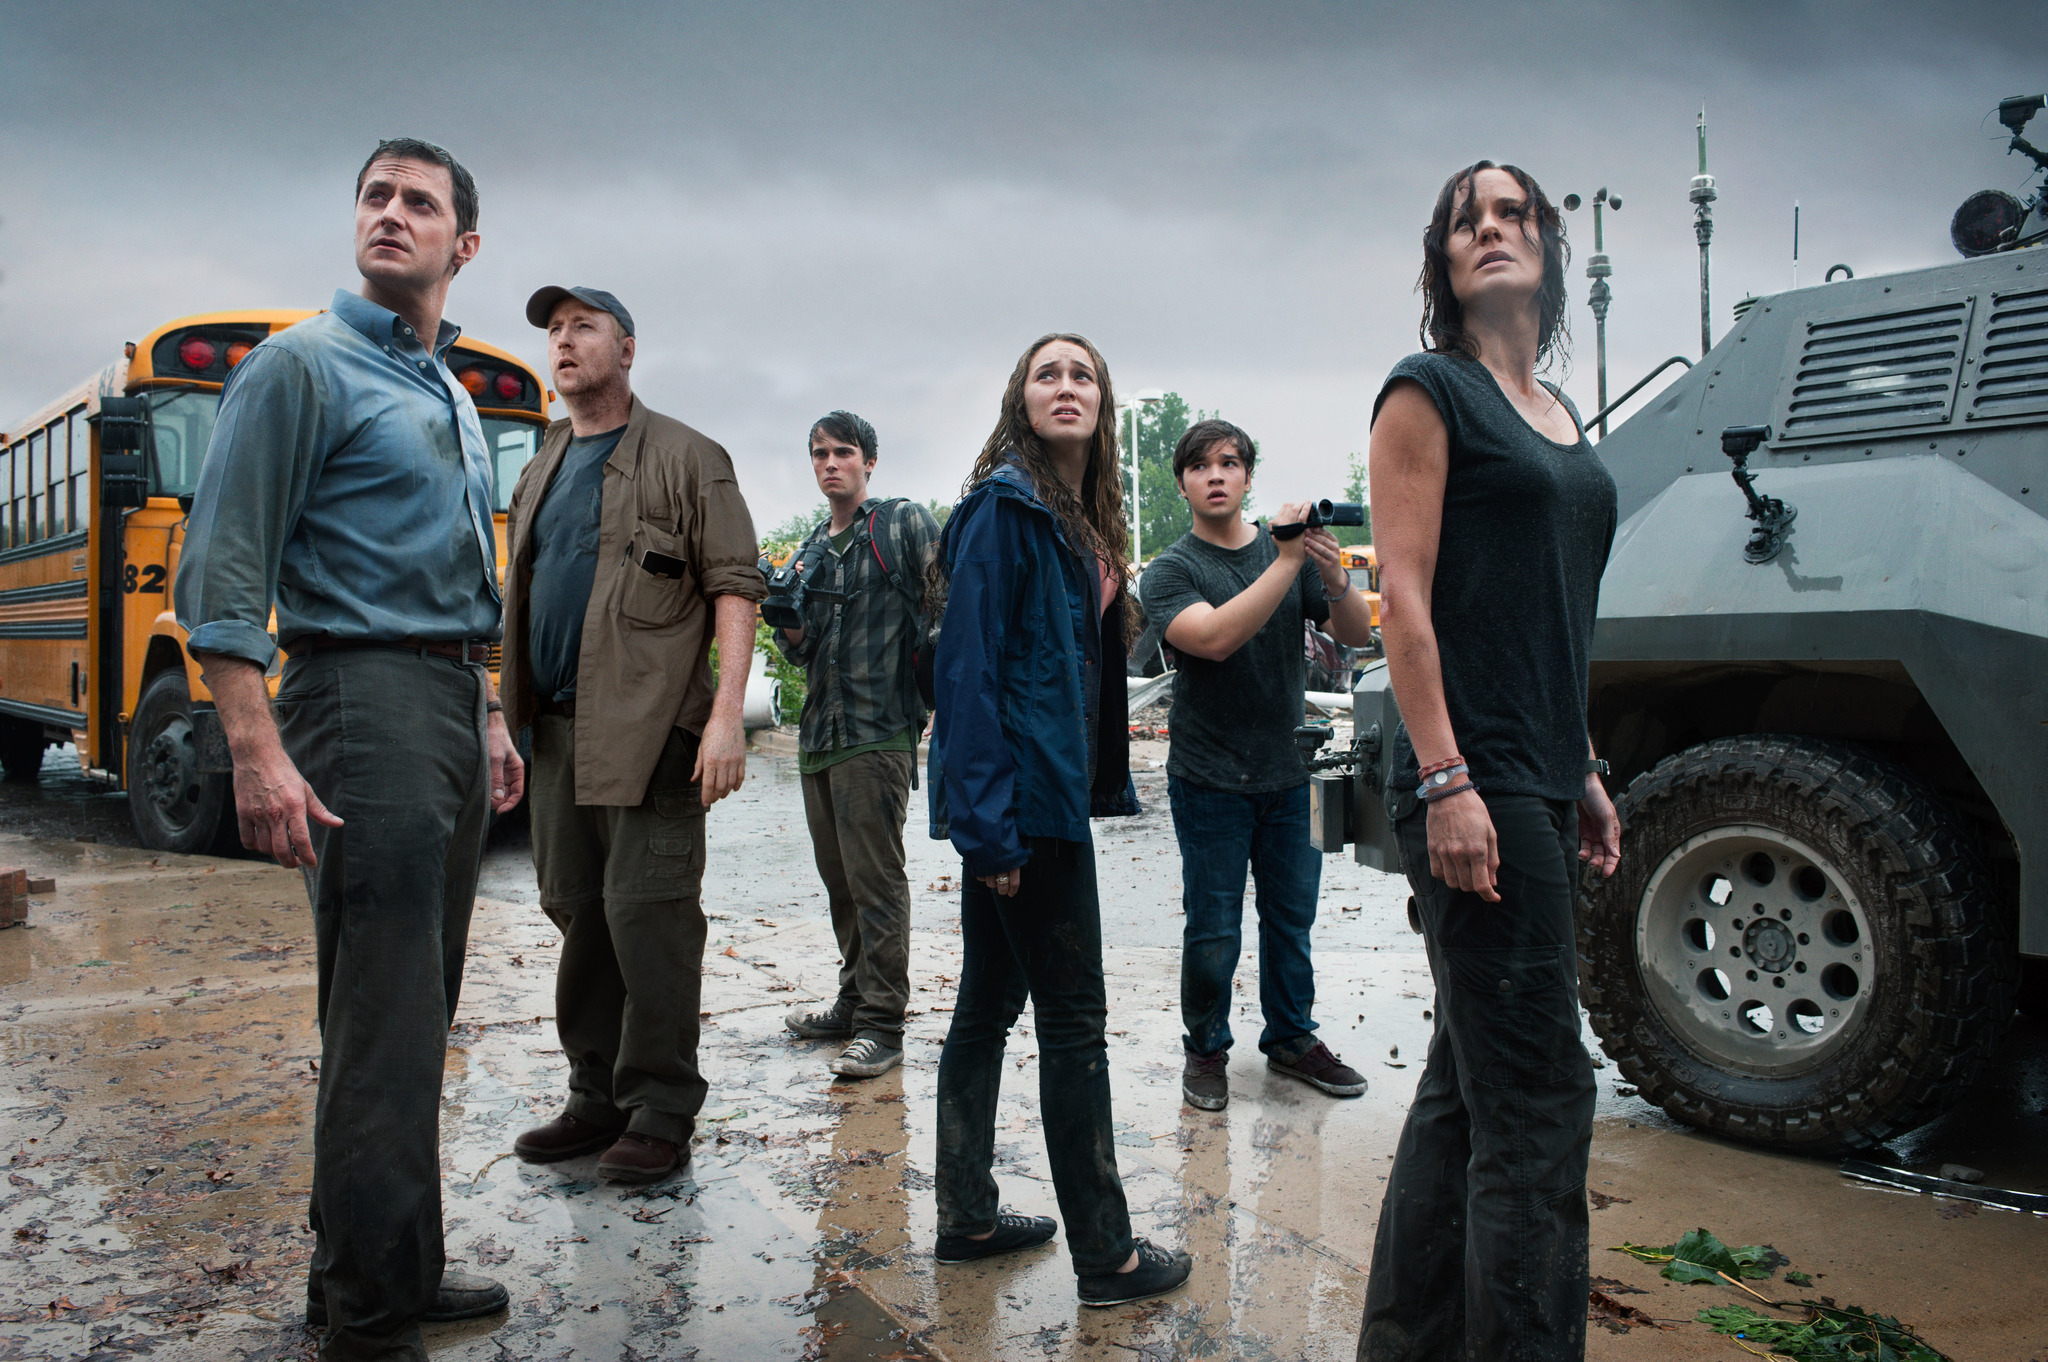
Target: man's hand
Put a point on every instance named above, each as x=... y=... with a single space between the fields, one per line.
x=508 y=773
x=721 y=757
x=1322 y=547
x=1599 y=829
x=272 y=803
x=1291 y=550
x=1006 y=882
x=272 y=800
x=1463 y=851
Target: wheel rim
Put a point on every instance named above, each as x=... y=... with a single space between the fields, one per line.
x=1754 y=950
x=170 y=773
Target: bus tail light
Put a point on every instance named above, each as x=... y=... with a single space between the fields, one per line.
x=205 y=352
x=474 y=380
x=510 y=386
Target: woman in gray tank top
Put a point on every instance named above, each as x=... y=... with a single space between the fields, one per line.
x=1493 y=520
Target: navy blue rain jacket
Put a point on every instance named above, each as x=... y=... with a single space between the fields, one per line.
x=1022 y=638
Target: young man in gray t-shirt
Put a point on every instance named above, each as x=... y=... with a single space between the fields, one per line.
x=1232 y=600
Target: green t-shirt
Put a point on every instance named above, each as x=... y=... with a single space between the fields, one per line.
x=810 y=763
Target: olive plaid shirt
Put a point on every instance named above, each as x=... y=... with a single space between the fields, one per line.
x=856 y=652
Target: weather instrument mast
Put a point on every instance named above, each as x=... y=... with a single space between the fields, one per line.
x=1598 y=269
x=1702 y=196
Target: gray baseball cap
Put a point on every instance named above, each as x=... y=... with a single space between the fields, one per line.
x=541 y=305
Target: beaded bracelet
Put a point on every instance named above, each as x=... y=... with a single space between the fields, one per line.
x=1453 y=760
x=1431 y=796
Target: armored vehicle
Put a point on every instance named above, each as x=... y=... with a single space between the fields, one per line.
x=1823 y=690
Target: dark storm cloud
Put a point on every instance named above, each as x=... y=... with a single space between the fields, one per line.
x=876 y=207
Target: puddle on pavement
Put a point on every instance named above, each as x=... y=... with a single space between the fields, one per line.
x=156 y=1033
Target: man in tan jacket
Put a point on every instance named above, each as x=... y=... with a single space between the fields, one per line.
x=629 y=547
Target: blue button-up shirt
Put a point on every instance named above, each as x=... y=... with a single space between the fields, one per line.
x=348 y=480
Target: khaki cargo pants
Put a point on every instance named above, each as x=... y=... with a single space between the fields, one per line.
x=623 y=885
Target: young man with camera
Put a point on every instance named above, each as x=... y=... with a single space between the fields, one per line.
x=1232 y=596
x=849 y=608
x=629 y=548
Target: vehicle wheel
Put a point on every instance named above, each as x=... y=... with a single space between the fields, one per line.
x=1798 y=949
x=173 y=805
x=21 y=748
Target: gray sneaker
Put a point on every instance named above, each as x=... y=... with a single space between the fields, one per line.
x=822 y=1023
x=866 y=1058
x=1322 y=1069
x=1204 y=1082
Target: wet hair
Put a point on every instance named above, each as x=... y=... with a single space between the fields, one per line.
x=844 y=425
x=1204 y=436
x=413 y=149
x=1092 y=519
x=1443 y=316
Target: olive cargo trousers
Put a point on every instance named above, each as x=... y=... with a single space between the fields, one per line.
x=855 y=809
x=624 y=884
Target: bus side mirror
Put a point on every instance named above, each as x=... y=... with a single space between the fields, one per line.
x=124 y=442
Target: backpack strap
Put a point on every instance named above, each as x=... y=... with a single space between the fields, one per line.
x=891 y=570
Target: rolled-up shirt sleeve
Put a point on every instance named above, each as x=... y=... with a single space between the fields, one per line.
x=727 y=557
x=252 y=487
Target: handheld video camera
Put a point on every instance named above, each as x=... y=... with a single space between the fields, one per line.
x=1320 y=513
x=790 y=589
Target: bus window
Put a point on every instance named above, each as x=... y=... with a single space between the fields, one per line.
x=6 y=498
x=38 y=485
x=81 y=471
x=512 y=445
x=184 y=423
x=1361 y=578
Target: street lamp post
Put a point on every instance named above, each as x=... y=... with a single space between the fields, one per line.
x=1144 y=397
x=1598 y=269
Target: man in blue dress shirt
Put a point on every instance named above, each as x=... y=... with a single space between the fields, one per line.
x=348 y=481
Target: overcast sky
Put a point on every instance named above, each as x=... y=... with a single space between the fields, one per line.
x=877 y=206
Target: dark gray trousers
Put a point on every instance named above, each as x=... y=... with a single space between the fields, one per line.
x=393 y=744
x=625 y=886
x=855 y=809
x=1481 y=1251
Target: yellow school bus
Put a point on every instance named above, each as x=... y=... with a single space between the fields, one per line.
x=94 y=490
x=1362 y=565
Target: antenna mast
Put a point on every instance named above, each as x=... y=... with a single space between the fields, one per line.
x=1703 y=196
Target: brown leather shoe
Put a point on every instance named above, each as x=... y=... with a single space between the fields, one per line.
x=562 y=1138
x=634 y=1157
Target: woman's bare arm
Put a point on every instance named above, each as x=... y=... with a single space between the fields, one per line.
x=1410 y=463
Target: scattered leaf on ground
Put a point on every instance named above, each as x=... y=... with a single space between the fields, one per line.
x=1700 y=1257
x=1828 y=1334
x=1615 y=1317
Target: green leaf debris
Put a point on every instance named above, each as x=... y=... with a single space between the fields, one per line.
x=1830 y=1333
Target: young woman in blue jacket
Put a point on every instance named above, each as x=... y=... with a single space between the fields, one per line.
x=1029 y=742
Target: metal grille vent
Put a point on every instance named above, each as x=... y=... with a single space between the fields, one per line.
x=2012 y=360
x=1876 y=370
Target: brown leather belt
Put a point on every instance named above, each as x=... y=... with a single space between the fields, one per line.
x=565 y=708
x=455 y=649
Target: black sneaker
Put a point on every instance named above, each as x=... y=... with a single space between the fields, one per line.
x=1204 y=1080
x=1322 y=1069
x=822 y=1023
x=1012 y=1232
x=1158 y=1272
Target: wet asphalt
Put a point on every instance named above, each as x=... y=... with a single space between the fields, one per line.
x=158 y=1048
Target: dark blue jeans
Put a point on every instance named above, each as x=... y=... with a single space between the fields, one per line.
x=1045 y=944
x=1222 y=833
x=1481 y=1251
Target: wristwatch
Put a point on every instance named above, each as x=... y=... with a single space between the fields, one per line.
x=1595 y=766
